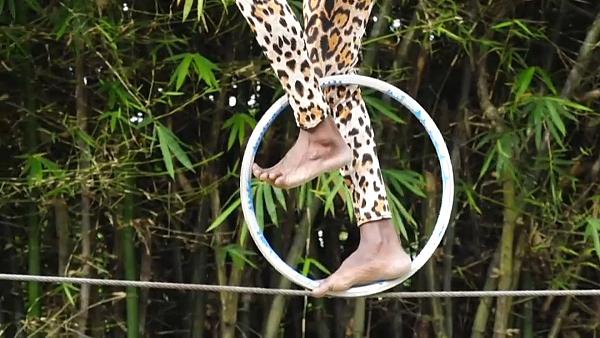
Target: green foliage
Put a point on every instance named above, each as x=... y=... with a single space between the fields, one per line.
x=378 y=106
x=238 y=125
x=265 y=196
x=224 y=214
x=592 y=233
x=156 y=76
x=203 y=67
x=308 y=264
x=239 y=256
x=170 y=145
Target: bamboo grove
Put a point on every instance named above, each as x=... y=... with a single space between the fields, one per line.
x=121 y=131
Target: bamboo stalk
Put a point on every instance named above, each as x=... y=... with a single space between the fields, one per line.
x=378 y=27
x=128 y=247
x=565 y=305
x=84 y=164
x=34 y=291
x=503 y=304
x=228 y=309
x=199 y=260
x=358 y=323
x=396 y=325
x=277 y=309
x=482 y=314
x=564 y=308
x=61 y=220
x=458 y=140
x=409 y=37
x=510 y=213
x=583 y=59
x=145 y=275
x=437 y=313
x=528 y=327
x=320 y=318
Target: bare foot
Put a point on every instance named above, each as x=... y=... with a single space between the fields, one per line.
x=317 y=150
x=379 y=256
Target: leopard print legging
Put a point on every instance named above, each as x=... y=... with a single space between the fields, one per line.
x=328 y=45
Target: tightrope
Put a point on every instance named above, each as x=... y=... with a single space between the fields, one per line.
x=290 y=292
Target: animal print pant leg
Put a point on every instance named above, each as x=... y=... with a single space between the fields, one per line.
x=331 y=45
x=334 y=30
x=282 y=39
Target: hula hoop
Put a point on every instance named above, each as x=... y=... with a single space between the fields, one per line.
x=446 y=173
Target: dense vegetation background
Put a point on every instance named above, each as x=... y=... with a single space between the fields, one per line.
x=121 y=131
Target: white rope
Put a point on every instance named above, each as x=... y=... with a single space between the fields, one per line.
x=290 y=292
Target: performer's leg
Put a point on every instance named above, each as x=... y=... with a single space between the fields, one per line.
x=334 y=30
x=319 y=146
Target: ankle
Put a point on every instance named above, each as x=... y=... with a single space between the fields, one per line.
x=387 y=228
x=379 y=233
x=326 y=132
x=370 y=236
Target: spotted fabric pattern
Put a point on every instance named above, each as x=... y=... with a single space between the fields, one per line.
x=329 y=44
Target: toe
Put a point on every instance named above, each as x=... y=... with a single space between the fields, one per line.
x=264 y=176
x=279 y=182
x=256 y=170
x=322 y=289
x=274 y=175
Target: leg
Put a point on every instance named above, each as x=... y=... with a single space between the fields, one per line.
x=319 y=146
x=334 y=31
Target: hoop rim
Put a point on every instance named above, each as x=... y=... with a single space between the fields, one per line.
x=436 y=138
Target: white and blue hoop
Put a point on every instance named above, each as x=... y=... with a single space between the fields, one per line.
x=446 y=173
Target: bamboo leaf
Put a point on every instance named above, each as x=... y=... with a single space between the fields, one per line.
x=396 y=215
x=502 y=25
x=12 y=8
x=270 y=204
x=34 y=167
x=555 y=117
x=205 y=68
x=305 y=266
x=187 y=7
x=223 y=215
x=451 y=35
x=181 y=155
x=280 y=197
x=547 y=80
x=164 y=148
x=167 y=138
x=182 y=70
x=319 y=266
x=200 y=9
x=34 y=5
x=470 y=194
x=592 y=231
x=86 y=138
x=349 y=204
x=239 y=255
x=232 y=136
x=115 y=116
x=238 y=124
x=524 y=28
x=302 y=196
x=409 y=179
x=555 y=133
x=523 y=81
x=486 y=163
x=384 y=108
x=260 y=204
x=307 y=263
x=66 y=289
